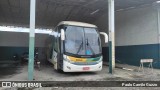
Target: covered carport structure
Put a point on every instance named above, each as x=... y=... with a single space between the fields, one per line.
x=48 y=13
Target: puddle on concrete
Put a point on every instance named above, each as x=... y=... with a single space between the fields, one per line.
x=115 y=79
x=9 y=70
x=136 y=76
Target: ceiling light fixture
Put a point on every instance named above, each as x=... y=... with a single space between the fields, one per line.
x=119 y=10
x=94 y=12
x=157 y=1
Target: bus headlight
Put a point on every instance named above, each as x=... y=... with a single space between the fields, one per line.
x=100 y=59
x=66 y=59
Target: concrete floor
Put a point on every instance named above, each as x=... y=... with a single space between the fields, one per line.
x=47 y=73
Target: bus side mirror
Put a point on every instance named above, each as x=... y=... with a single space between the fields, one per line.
x=62 y=34
x=105 y=36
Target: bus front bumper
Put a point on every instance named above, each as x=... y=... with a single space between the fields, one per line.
x=68 y=67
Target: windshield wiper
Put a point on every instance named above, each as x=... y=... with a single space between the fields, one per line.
x=80 y=46
x=88 y=44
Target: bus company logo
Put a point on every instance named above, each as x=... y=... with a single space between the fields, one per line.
x=6 y=84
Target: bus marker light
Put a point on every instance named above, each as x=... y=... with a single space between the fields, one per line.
x=68 y=67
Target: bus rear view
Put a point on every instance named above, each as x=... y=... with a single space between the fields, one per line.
x=76 y=47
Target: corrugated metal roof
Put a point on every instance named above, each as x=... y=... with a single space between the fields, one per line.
x=50 y=12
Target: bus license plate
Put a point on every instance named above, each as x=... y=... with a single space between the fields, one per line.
x=86 y=68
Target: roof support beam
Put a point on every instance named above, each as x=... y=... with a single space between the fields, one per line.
x=111 y=18
x=31 y=39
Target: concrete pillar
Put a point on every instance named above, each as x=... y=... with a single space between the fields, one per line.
x=158 y=22
x=31 y=39
x=111 y=18
x=156 y=5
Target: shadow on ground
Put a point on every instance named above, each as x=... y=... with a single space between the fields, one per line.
x=7 y=70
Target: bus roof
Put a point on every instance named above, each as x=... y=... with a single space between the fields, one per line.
x=75 y=23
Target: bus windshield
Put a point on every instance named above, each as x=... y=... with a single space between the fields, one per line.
x=82 y=41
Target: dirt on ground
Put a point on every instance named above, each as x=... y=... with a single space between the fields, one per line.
x=123 y=72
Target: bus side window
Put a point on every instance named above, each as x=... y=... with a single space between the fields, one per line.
x=59 y=38
x=56 y=40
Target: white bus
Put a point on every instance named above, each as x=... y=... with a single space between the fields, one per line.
x=75 y=47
